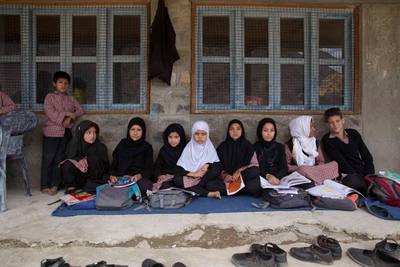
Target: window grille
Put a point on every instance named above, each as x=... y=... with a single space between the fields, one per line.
x=273 y=58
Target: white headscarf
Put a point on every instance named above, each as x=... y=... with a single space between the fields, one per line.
x=300 y=131
x=194 y=156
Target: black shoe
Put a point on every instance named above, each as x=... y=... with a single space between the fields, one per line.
x=69 y=191
x=178 y=264
x=313 y=253
x=151 y=263
x=372 y=258
x=388 y=248
x=279 y=254
x=257 y=258
x=59 y=262
x=331 y=244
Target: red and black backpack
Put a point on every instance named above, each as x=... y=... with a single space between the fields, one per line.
x=384 y=189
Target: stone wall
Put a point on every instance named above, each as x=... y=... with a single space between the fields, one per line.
x=379 y=79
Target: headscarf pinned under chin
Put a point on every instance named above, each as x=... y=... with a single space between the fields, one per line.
x=77 y=147
x=169 y=153
x=302 y=142
x=235 y=154
x=266 y=150
x=195 y=156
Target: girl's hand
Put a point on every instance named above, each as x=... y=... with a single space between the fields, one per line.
x=272 y=179
x=113 y=179
x=236 y=175
x=228 y=178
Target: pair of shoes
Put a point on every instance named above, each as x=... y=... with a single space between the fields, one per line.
x=385 y=254
x=331 y=244
x=151 y=263
x=313 y=253
x=279 y=254
x=260 y=257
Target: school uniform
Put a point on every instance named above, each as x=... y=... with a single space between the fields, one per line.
x=134 y=157
x=96 y=156
x=193 y=158
x=352 y=156
x=56 y=137
x=167 y=158
x=235 y=154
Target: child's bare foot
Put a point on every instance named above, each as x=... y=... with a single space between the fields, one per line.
x=46 y=191
x=215 y=194
x=53 y=191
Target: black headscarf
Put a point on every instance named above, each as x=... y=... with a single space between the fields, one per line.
x=128 y=149
x=78 y=148
x=235 y=154
x=266 y=150
x=169 y=153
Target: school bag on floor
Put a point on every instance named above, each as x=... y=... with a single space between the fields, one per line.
x=112 y=198
x=171 y=198
x=285 y=201
x=384 y=189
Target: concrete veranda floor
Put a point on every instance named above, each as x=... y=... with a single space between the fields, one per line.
x=29 y=234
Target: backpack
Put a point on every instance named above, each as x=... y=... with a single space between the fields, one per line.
x=334 y=203
x=384 y=189
x=112 y=198
x=171 y=198
x=285 y=201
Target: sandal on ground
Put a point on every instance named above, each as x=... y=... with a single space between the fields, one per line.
x=104 y=264
x=331 y=244
x=59 y=262
x=313 y=253
x=279 y=254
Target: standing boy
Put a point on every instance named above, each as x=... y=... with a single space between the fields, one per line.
x=61 y=112
x=346 y=147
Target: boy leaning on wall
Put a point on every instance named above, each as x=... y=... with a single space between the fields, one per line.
x=62 y=110
x=347 y=148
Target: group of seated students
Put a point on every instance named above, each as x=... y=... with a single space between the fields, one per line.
x=81 y=161
x=197 y=166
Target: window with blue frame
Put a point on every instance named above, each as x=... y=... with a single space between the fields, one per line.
x=262 y=58
x=103 y=48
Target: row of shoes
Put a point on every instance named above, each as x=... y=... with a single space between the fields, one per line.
x=270 y=255
x=385 y=254
x=153 y=263
x=60 y=262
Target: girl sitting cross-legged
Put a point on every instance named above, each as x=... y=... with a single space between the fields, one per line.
x=133 y=157
x=198 y=168
x=239 y=159
x=174 y=142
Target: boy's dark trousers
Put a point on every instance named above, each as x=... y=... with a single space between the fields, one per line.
x=53 y=153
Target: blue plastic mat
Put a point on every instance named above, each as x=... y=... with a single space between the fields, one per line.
x=199 y=205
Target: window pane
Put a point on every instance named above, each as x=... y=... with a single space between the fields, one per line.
x=256 y=84
x=292 y=85
x=292 y=38
x=331 y=38
x=126 y=35
x=84 y=82
x=126 y=83
x=256 y=37
x=216 y=36
x=10 y=80
x=44 y=81
x=331 y=89
x=84 y=36
x=48 y=35
x=216 y=83
x=10 y=35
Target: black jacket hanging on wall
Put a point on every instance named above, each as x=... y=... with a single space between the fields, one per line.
x=163 y=52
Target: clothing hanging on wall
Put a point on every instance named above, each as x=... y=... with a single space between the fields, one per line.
x=163 y=52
